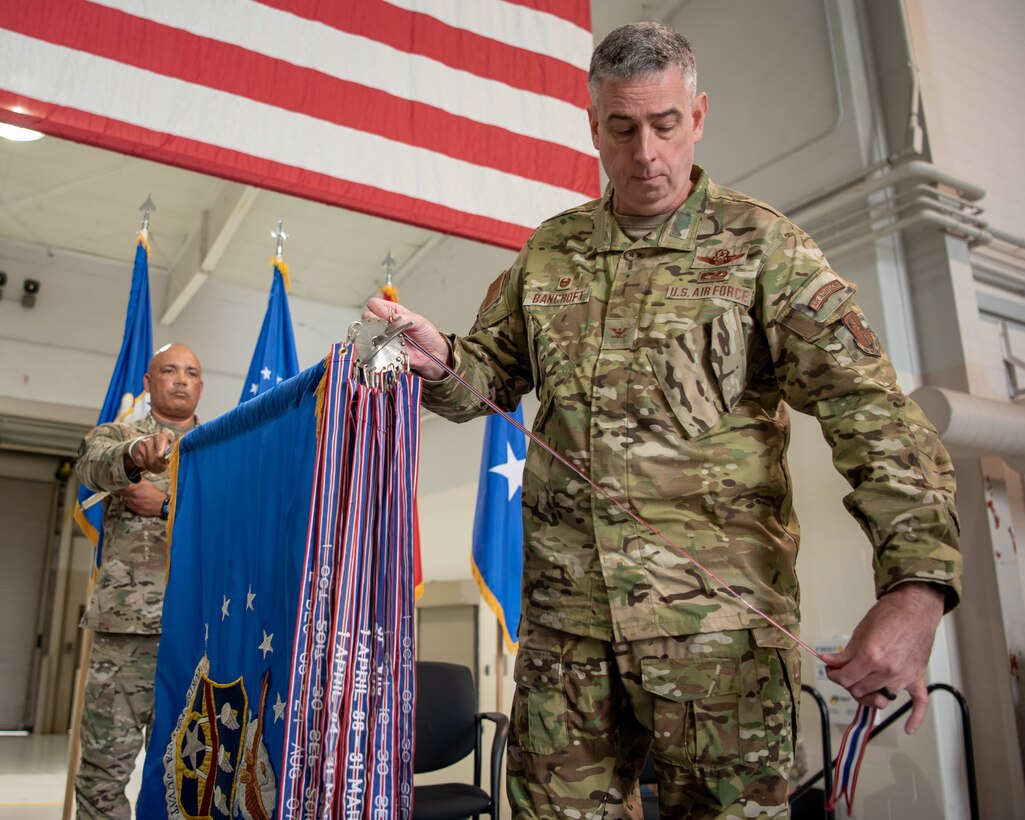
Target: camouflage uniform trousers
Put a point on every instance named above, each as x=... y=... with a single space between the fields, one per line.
x=118 y=711
x=718 y=711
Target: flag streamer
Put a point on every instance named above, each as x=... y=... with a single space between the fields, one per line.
x=848 y=759
x=288 y=689
x=349 y=728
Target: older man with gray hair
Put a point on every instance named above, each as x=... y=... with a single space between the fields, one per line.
x=665 y=328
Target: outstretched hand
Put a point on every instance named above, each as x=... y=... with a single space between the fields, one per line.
x=422 y=332
x=890 y=649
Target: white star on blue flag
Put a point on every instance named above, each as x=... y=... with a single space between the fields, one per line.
x=498 y=524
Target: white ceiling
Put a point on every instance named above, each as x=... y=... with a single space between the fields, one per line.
x=64 y=195
x=59 y=195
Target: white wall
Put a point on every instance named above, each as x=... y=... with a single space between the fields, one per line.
x=971 y=63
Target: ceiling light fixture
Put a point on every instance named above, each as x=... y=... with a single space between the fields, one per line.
x=15 y=133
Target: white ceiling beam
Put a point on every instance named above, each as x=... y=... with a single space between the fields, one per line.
x=204 y=249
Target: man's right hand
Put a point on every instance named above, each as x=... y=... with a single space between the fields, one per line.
x=143 y=498
x=148 y=454
x=422 y=332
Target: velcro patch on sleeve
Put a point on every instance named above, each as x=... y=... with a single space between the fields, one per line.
x=863 y=336
x=823 y=295
x=493 y=309
x=494 y=293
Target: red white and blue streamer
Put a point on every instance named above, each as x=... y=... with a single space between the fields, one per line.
x=848 y=759
x=349 y=736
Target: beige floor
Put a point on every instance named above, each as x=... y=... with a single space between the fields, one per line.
x=33 y=776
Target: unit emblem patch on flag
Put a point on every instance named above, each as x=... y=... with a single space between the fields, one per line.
x=201 y=762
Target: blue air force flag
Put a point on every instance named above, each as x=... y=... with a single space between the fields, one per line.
x=274 y=359
x=126 y=397
x=497 y=559
x=242 y=488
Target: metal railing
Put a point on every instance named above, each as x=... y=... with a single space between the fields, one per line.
x=826 y=773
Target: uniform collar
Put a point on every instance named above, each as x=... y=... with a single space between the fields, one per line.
x=678 y=233
x=179 y=429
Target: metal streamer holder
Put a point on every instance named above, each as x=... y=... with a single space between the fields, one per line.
x=378 y=351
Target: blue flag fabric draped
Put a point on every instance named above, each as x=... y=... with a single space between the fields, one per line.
x=288 y=643
x=497 y=558
x=126 y=397
x=274 y=359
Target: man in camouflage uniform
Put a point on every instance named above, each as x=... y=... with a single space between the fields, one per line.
x=128 y=460
x=663 y=327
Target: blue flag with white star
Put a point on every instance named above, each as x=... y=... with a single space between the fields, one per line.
x=241 y=488
x=497 y=558
x=274 y=359
x=127 y=399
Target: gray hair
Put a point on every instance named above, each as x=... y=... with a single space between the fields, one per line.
x=641 y=50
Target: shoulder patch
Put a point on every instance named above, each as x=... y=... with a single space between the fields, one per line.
x=823 y=295
x=495 y=306
x=863 y=336
x=494 y=293
x=819 y=299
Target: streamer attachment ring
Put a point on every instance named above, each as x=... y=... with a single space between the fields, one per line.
x=378 y=347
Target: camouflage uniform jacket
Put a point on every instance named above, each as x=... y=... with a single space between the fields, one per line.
x=662 y=366
x=129 y=592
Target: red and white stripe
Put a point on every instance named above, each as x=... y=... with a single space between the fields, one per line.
x=464 y=117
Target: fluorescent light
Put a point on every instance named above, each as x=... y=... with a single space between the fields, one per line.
x=16 y=134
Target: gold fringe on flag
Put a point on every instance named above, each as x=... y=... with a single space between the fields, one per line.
x=172 y=491
x=282 y=266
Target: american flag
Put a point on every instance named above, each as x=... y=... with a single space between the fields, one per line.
x=462 y=116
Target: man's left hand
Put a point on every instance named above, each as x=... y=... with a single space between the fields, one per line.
x=143 y=498
x=890 y=649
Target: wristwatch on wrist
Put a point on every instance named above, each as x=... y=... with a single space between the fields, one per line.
x=165 y=508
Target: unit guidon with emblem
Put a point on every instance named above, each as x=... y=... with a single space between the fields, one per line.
x=207 y=771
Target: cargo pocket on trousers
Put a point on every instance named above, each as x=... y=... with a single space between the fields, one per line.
x=713 y=714
x=779 y=677
x=541 y=708
x=698 y=710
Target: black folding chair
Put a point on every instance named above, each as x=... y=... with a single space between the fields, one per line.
x=448 y=728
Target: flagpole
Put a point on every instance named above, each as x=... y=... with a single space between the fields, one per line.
x=499 y=666
x=77 y=708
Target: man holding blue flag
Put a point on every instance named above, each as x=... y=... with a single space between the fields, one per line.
x=129 y=461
